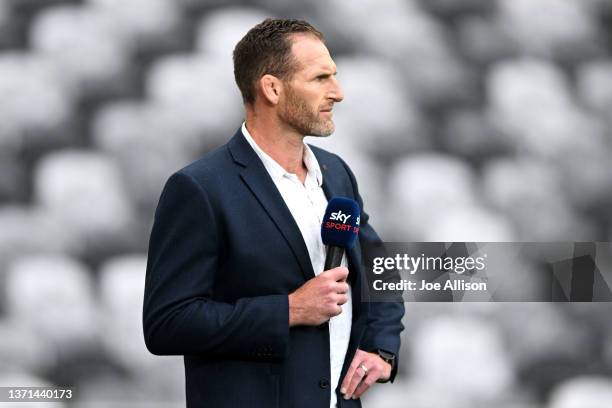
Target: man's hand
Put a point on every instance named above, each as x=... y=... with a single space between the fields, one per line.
x=358 y=379
x=319 y=299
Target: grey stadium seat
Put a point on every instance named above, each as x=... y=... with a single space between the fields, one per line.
x=85 y=44
x=121 y=289
x=84 y=189
x=62 y=288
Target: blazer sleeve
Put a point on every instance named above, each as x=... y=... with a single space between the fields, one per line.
x=179 y=314
x=384 y=323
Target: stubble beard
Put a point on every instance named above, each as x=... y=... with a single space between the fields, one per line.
x=300 y=117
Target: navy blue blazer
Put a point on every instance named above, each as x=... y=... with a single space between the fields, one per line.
x=224 y=253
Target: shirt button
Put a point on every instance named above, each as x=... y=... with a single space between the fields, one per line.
x=324 y=383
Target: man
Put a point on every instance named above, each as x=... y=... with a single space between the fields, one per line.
x=234 y=275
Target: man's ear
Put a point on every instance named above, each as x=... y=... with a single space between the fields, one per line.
x=271 y=88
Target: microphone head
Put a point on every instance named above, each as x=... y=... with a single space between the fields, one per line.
x=341 y=222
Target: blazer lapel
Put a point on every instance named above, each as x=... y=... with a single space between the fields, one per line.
x=333 y=187
x=257 y=179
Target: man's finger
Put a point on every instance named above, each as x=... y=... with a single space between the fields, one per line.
x=358 y=375
x=349 y=374
x=339 y=274
x=365 y=384
x=342 y=287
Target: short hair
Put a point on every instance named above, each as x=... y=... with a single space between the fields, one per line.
x=266 y=49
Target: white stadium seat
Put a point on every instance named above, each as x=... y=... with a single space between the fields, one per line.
x=144 y=21
x=581 y=392
x=542 y=28
x=468 y=224
x=220 y=30
x=35 y=105
x=85 y=44
x=462 y=356
x=149 y=143
x=61 y=287
x=403 y=34
x=201 y=92
x=84 y=189
x=121 y=295
x=376 y=116
x=26 y=231
x=539 y=207
x=22 y=349
x=122 y=292
x=421 y=187
x=531 y=104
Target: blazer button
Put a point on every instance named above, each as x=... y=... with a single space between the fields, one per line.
x=324 y=383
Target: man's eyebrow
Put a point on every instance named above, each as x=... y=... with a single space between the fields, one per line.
x=326 y=72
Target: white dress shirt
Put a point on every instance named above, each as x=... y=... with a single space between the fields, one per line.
x=307 y=203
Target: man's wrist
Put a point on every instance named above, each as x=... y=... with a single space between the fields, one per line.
x=388 y=358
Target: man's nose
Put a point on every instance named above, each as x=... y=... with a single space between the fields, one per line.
x=336 y=92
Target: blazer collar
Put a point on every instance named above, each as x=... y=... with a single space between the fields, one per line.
x=257 y=179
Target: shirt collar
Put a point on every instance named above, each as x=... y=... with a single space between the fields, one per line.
x=276 y=170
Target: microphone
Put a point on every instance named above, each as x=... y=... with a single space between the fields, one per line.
x=339 y=229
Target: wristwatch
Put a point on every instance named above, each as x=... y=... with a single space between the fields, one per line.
x=387 y=358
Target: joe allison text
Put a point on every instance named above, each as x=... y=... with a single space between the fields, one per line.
x=423 y=285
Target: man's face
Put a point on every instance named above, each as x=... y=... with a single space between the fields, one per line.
x=308 y=97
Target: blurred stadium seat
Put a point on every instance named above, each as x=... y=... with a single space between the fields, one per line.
x=200 y=91
x=482 y=41
x=146 y=22
x=468 y=224
x=412 y=394
x=544 y=345
x=532 y=106
x=220 y=30
x=463 y=357
x=5 y=25
x=454 y=8
x=469 y=133
x=148 y=142
x=594 y=83
x=403 y=34
x=35 y=106
x=121 y=294
x=23 y=350
x=541 y=28
x=592 y=392
x=424 y=186
x=13 y=178
x=84 y=189
x=393 y=127
x=86 y=45
x=538 y=207
x=53 y=296
x=28 y=231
